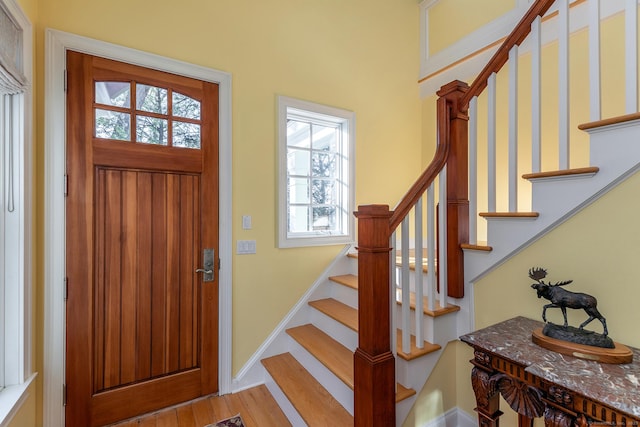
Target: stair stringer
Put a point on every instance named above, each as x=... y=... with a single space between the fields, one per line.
x=253 y=373
x=558 y=199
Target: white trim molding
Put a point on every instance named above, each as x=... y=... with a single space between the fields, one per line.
x=56 y=45
x=454 y=417
x=343 y=122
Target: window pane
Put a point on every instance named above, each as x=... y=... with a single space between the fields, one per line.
x=298 y=134
x=151 y=98
x=186 y=135
x=298 y=162
x=323 y=192
x=325 y=138
x=298 y=219
x=112 y=125
x=151 y=130
x=323 y=164
x=298 y=190
x=324 y=218
x=113 y=93
x=183 y=106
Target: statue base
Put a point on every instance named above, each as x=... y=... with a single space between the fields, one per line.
x=577 y=335
x=616 y=355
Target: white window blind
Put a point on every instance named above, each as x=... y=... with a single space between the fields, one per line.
x=12 y=78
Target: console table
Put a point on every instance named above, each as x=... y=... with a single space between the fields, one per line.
x=535 y=382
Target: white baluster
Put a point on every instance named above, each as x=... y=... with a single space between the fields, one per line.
x=442 y=232
x=491 y=142
x=419 y=274
x=563 y=84
x=431 y=249
x=393 y=289
x=406 y=288
x=536 y=96
x=631 y=55
x=594 y=61
x=513 y=129
x=473 y=170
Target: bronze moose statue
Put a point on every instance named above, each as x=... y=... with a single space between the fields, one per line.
x=563 y=299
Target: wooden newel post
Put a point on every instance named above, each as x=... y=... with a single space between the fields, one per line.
x=454 y=119
x=374 y=364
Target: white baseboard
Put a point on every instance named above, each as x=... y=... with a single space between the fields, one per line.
x=454 y=417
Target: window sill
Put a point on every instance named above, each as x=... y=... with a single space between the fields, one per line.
x=12 y=398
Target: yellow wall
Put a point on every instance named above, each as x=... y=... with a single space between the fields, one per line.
x=451 y=20
x=26 y=415
x=358 y=55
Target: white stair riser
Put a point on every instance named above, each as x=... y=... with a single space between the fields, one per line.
x=344 y=294
x=339 y=332
x=410 y=372
x=438 y=330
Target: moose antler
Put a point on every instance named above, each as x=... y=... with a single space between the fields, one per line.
x=537 y=274
x=565 y=282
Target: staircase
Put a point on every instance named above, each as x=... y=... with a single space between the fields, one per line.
x=347 y=354
x=313 y=379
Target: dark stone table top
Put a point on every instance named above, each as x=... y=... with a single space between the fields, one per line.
x=617 y=386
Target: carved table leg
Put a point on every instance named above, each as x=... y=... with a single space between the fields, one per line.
x=556 y=418
x=487 y=398
x=524 y=421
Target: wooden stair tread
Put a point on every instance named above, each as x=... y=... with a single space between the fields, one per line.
x=438 y=311
x=348 y=280
x=312 y=401
x=609 y=121
x=476 y=247
x=403 y=393
x=509 y=214
x=562 y=173
x=338 y=358
x=415 y=351
x=343 y=313
x=333 y=355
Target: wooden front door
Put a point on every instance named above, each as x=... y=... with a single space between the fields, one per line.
x=141 y=208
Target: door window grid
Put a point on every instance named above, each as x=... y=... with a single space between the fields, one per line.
x=161 y=116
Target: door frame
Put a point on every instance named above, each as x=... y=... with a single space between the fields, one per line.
x=56 y=45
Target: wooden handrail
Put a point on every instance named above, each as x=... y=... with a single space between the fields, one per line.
x=423 y=182
x=517 y=36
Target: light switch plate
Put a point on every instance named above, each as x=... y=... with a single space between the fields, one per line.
x=244 y=247
x=246 y=222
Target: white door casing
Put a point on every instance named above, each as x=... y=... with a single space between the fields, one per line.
x=56 y=45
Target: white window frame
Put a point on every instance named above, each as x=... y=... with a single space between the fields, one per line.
x=16 y=122
x=290 y=107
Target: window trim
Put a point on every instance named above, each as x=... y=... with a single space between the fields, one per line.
x=325 y=113
x=18 y=352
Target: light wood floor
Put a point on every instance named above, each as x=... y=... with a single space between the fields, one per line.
x=256 y=406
